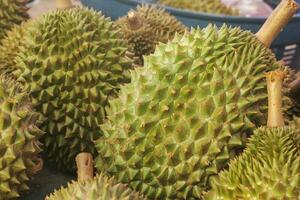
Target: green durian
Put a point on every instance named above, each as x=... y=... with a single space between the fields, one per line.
x=269 y=168
x=147 y=26
x=74 y=60
x=207 y=6
x=12 y=12
x=187 y=112
x=100 y=187
x=10 y=48
x=19 y=146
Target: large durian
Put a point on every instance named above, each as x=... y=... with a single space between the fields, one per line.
x=11 y=12
x=19 y=146
x=144 y=28
x=73 y=62
x=187 y=111
x=207 y=6
x=100 y=187
x=269 y=168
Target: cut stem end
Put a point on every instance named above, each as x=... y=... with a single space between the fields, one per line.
x=134 y=20
x=63 y=4
x=277 y=21
x=85 y=170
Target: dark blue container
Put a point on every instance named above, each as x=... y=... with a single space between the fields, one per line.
x=286 y=46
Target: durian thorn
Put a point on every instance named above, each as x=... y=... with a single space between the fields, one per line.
x=134 y=20
x=295 y=89
x=277 y=21
x=38 y=167
x=85 y=170
x=63 y=4
x=274 y=84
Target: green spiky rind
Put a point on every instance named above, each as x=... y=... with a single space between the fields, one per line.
x=186 y=112
x=10 y=48
x=74 y=62
x=99 y=188
x=268 y=169
x=12 y=12
x=18 y=139
x=207 y=6
x=157 y=26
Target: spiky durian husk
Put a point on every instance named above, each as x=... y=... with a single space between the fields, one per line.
x=74 y=61
x=11 y=12
x=207 y=6
x=186 y=112
x=268 y=169
x=156 y=26
x=10 y=48
x=18 y=139
x=100 y=187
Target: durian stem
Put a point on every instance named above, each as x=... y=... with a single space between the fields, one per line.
x=274 y=84
x=63 y=4
x=134 y=20
x=276 y=21
x=295 y=89
x=85 y=170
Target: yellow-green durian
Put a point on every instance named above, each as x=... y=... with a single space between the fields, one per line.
x=147 y=26
x=207 y=6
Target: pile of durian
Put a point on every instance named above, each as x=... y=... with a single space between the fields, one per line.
x=167 y=112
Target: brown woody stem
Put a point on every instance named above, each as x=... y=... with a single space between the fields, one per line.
x=276 y=21
x=274 y=83
x=63 y=4
x=85 y=168
x=134 y=20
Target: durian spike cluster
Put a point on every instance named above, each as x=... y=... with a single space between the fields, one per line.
x=19 y=134
x=189 y=110
x=147 y=26
x=269 y=168
x=100 y=187
x=12 y=12
x=207 y=6
x=10 y=47
x=72 y=62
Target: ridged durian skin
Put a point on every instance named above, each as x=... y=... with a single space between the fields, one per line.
x=186 y=112
x=99 y=188
x=207 y=6
x=156 y=26
x=269 y=168
x=10 y=48
x=74 y=61
x=11 y=12
x=18 y=139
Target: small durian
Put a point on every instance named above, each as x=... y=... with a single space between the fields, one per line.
x=12 y=12
x=207 y=6
x=189 y=110
x=10 y=48
x=87 y=187
x=73 y=61
x=147 y=26
x=269 y=168
x=19 y=135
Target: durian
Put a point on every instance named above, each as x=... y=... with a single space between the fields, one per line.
x=100 y=187
x=73 y=62
x=19 y=146
x=10 y=48
x=145 y=27
x=269 y=168
x=207 y=6
x=186 y=112
x=12 y=12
